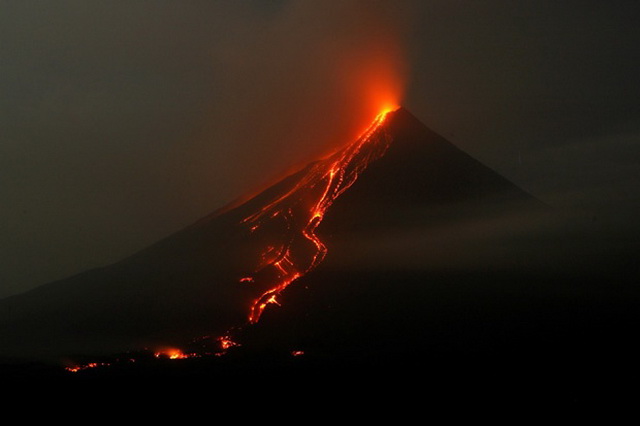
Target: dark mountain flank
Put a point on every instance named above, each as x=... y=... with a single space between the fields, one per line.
x=397 y=255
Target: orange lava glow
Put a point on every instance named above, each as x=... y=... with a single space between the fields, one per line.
x=375 y=78
x=226 y=343
x=77 y=368
x=172 y=353
x=303 y=207
x=351 y=77
x=298 y=211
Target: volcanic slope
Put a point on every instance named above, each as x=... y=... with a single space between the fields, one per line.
x=207 y=279
x=203 y=280
x=442 y=273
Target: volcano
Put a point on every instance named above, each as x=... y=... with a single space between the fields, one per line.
x=397 y=249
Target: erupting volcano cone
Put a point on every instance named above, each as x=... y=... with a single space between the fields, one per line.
x=223 y=272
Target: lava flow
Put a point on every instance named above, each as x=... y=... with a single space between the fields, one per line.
x=301 y=209
x=288 y=246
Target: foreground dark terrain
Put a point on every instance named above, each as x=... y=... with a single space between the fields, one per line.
x=460 y=336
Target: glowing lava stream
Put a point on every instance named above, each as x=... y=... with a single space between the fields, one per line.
x=303 y=207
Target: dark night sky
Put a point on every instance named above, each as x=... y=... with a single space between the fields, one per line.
x=122 y=122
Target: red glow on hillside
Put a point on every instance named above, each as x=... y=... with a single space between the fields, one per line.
x=375 y=78
x=81 y=367
x=351 y=82
x=300 y=210
x=171 y=353
x=284 y=232
x=225 y=343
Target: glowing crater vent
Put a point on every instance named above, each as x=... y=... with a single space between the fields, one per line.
x=300 y=210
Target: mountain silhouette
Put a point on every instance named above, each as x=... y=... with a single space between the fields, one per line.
x=409 y=250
